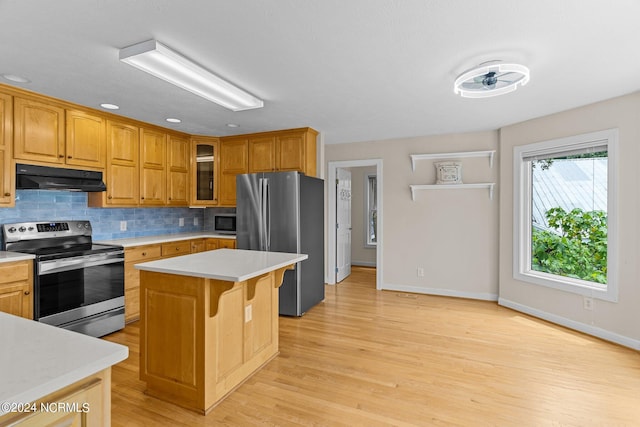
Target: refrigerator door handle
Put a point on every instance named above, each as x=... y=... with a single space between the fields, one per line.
x=267 y=215
x=264 y=246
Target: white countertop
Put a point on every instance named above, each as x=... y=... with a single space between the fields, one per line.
x=14 y=256
x=37 y=359
x=164 y=238
x=233 y=265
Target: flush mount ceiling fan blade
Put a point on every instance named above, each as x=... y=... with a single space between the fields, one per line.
x=491 y=80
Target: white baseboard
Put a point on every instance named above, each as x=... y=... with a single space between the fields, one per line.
x=572 y=324
x=440 y=292
x=363 y=263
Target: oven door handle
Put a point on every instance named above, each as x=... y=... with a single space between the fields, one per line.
x=60 y=265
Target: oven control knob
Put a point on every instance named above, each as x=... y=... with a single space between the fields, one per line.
x=11 y=230
x=22 y=229
x=86 y=225
x=30 y=228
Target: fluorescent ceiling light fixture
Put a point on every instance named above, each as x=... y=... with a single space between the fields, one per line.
x=491 y=80
x=158 y=60
x=173 y=120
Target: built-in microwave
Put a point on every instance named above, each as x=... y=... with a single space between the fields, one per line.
x=224 y=223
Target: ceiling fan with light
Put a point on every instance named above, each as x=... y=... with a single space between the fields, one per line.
x=491 y=78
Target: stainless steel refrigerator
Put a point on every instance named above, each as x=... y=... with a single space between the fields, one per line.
x=284 y=212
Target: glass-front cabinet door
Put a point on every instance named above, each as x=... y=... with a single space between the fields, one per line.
x=204 y=169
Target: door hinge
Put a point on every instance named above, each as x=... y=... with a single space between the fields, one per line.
x=336 y=269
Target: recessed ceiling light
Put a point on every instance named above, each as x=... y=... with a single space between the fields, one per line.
x=16 y=79
x=172 y=120
x=110 y=106
x=232 y=125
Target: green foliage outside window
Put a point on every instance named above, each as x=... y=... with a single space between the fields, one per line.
x=575 y=247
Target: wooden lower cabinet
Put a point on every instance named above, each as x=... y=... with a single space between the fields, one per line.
x=197 y=245
x=84 y=403
x=144 y=253
x=16 y=288
x=220 y=243
x=134 y=256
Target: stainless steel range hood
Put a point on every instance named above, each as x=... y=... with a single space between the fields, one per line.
x=30 y=177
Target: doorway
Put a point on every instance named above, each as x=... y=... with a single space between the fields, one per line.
x=332 y=199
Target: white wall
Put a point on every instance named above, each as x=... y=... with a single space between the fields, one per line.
x=613 y=321
x=452 y=234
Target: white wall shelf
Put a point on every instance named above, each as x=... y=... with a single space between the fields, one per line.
x=486 y=185
x=452 y=156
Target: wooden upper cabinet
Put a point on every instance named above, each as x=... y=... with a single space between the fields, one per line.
x=39 y=131
x=178 y=153
x=153 y=169
x=7 y=174
x=293 y=150
x=262 y=154
x=233 y=161
x=122 y=175
x=85 y=144
x=205 y=160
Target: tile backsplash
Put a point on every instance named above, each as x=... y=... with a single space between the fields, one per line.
x=39 y=205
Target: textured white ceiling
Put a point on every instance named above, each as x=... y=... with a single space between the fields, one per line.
x=356 y=70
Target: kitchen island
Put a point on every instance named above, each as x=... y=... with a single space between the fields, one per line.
x=52 y=376
x=208 y=322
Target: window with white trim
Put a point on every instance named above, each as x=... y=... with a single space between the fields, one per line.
x=371 y=210
x=565 y=229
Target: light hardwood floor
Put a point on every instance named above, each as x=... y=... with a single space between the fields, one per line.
x=370 y=358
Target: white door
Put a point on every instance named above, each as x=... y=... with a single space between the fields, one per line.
x=343 y=224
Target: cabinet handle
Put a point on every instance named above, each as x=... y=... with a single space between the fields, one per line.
x=7 y=194
x=144 y=254
x=61 y=156
x=177 y=249
x=109 y=197
x=69 y=157
x=27 y=292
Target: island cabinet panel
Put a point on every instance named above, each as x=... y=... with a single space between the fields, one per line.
x=16 y=288
x=201 y=338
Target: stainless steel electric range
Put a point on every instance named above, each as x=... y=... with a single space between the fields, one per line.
x=78 y=285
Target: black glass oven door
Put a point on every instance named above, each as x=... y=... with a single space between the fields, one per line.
x=76 y=283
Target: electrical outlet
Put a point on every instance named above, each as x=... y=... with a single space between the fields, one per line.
x=195 y=221
x=123 y=225
x=420 y=272
x=248 y=313
x=181 y=222
x=587 y=303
